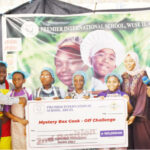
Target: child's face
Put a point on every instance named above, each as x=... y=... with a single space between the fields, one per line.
x=18 y=80
x=104 y=62
x=46 y=78
x=78 y=82
x=3 y=74
x=113 y=83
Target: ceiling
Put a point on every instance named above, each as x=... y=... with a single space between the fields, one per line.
x=6 y=5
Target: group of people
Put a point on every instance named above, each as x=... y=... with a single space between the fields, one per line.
x=129 y=85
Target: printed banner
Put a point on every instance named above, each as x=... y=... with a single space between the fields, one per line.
x=95 y=43
x=77 y=124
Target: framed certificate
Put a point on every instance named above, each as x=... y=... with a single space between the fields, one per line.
x=77 y=124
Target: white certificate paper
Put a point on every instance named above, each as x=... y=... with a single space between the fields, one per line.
x=77 y=124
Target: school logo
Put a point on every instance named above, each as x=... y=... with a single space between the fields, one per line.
x=114 y=106
x=29 y=29
x=39 y=108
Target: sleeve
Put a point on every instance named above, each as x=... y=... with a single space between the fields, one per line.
x=139 y=108
x=7 y=108
x=30 y=97
x=7 y=100
x=102 y=94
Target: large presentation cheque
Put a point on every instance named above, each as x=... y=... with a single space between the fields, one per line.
x=77 y=124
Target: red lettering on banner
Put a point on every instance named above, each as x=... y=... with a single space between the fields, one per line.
x=104 y=120
x=62 y=121
x=88 y=120
x=74 y=121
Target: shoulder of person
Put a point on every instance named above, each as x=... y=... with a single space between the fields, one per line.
x=102 y=93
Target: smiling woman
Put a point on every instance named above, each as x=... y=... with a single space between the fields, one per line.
x=139 y=124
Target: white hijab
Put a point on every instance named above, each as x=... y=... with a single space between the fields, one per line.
x=137 y=69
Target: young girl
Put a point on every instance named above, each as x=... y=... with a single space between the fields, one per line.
x=113 y=82
x=48 y=90
x=17 y=112
x=79 y=80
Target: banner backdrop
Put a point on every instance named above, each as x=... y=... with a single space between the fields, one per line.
x=95 y=43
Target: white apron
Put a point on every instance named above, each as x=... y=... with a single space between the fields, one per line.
x=17 y=129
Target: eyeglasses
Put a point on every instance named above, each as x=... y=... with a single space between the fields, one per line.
x=46 y=76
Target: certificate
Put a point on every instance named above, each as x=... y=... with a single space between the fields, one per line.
x=77 y=124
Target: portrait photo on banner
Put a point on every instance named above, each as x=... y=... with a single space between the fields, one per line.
x=93 y=43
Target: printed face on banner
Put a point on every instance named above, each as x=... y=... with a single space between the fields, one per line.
x=93 y=43
x=103 y=62
x=67 y=62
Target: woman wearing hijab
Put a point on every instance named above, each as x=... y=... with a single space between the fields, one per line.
x=79 y=80
x=139 y=124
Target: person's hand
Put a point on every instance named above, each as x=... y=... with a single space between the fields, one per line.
x=22 y=100
x=68 y=97
x=38 y=98
x=86 y=97
x=131 y=120
x=126 y=97
x=148 y=91
x=102 y=97
x=56 y=98
x=24 y=122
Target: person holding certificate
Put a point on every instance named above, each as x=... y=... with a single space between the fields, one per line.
x=48 y=90
x=17 y=112
x=139 y=124
x=79 y=80
x=113 y=81
x=5 y=87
